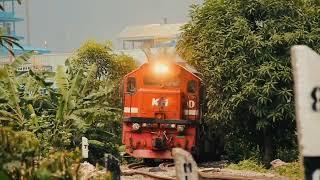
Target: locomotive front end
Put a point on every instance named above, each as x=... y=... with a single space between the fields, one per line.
x=161 y=110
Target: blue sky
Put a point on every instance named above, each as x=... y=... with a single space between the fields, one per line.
x=65 y=24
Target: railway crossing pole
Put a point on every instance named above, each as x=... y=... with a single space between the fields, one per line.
x=306 y=71
x=186 y=167
x=85 y=148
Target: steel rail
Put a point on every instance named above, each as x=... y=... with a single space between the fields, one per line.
x=204 y=174
x=137 y=165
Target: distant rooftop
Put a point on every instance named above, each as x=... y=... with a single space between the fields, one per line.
x=151 y=31
x=140 y=57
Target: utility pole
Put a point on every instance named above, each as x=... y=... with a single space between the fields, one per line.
x=28 y=21
x=165 y=20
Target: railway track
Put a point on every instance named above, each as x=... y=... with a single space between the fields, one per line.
x=137 y=165
x=166 y=165
x=204 y=174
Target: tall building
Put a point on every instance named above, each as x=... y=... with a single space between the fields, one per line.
x=8 y=20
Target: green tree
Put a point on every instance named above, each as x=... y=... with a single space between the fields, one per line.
x=104 y=122
x=92 y=52
x=59 y=115
x=87 y=111
x=122 y=65
x=242 y=49
x=109 y=65
x=76 y=102
x=10 y=101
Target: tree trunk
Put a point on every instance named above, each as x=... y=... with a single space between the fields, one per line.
x=267 y=146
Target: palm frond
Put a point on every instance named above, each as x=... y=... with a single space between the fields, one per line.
x=90 y=77
x=3 y=96
x=62 y=81
x=8 y=48
x=22 y=59
x=6 y=75
x=8 y=42
x=3 y=74
x=13 y=95
x=2 y=8
x=76 y=82
x=31 y=109
x=77 y=121
x=73 y=92
x=8 y=115
x=39 y=79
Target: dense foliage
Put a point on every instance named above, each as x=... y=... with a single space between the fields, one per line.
x=19 y=154
x=292 y=170
x=92 y=52
x=110 y=70
x=52 y=111
x=241 y=47
x=110 y=67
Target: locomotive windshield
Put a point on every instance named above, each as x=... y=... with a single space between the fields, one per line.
x=162 y=74
x=153 y=81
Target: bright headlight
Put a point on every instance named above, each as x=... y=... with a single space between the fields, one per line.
x=161 y=68
x=135 y=126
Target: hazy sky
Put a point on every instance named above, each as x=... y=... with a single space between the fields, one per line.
x=65 y=24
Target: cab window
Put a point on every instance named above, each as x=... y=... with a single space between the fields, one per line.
x=192 y=86
x=152 y=81
x=131 y=84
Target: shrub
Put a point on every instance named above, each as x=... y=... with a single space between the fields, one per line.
x=249 y=165
x=292 y=170
x=241 y=47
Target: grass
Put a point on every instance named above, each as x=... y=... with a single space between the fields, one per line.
x=249 y=165
x=122 y=148
x=292 y=170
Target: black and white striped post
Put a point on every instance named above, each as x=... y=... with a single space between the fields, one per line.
x=306 y=71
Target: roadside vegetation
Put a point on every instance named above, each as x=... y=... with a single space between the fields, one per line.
x=249 y=165
x=44 y=115
x=242 y=49
x=292 y=170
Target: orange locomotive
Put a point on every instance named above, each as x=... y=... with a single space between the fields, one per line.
x=162 y=110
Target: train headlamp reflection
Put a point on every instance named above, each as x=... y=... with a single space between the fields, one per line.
x=161 y=68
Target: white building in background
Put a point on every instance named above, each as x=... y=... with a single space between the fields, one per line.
x=43 y=62
x=50 y=61
x=149 y=36
x=132 y=39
